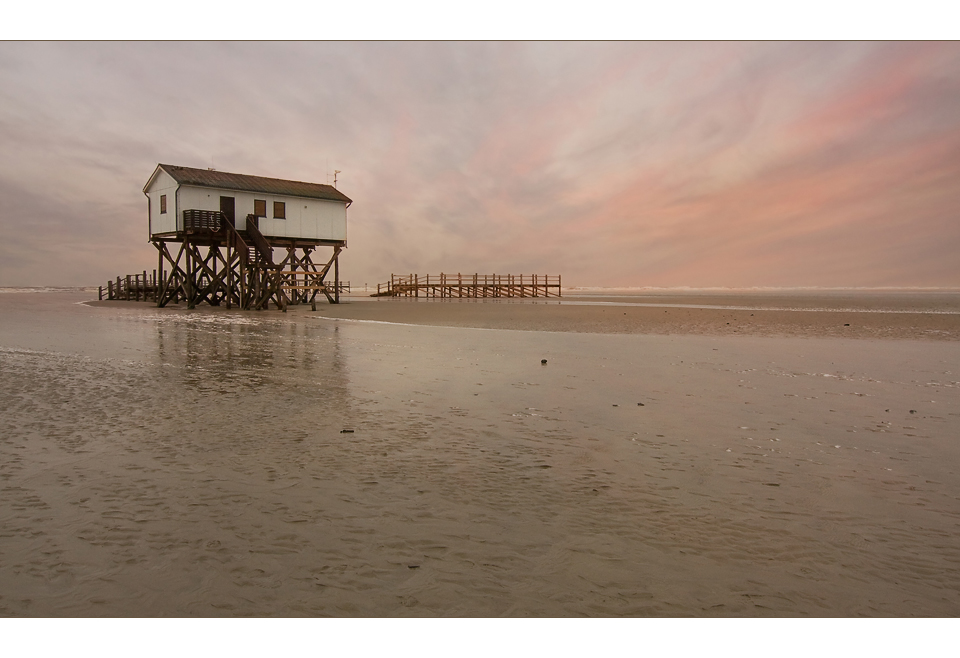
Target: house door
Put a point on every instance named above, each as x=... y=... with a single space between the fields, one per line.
x=227 y=208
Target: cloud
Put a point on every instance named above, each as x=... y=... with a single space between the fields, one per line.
x=734 y=164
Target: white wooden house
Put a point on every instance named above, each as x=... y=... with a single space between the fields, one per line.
x=283 y=210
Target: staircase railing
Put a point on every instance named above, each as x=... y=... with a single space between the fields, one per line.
x=263 y=247
x=238 y=243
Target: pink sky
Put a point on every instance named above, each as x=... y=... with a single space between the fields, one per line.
x=613 y=164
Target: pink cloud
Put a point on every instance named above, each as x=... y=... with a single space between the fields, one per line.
x=617 y=164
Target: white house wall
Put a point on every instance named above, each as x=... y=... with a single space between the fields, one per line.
x=166 y=222
x=315 y=219
x=306 y=218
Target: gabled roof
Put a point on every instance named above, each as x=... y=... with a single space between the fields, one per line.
x=246 y=183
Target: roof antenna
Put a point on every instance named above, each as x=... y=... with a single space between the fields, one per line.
x=335 y=172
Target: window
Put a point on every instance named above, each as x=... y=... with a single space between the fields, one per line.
x=259 y=208
x=279 y=210
x=163 y=204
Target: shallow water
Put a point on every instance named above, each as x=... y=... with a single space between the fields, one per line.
x=173 y=462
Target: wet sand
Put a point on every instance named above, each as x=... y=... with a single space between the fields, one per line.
x=172 y=462
x=919 y=315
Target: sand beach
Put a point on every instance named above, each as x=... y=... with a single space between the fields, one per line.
x=758 y=453
x=813 y=314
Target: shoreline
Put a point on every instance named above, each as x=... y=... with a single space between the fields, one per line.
x=579 y=315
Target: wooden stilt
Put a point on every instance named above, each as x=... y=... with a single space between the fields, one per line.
x=161 y=247
x=217 y=266
x=336 y=275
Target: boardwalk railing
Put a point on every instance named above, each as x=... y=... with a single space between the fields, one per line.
x=133 y=287
x=472 y=286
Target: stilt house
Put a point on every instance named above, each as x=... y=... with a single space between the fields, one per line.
x=241 y=220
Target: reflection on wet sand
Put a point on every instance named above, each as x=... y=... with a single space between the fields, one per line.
x=223 y=355
x=193 y=463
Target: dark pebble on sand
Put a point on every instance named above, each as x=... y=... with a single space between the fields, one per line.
x=913 y=411
x=346 y=431
x=639 y=404
x=543 y=361
x=413 y=566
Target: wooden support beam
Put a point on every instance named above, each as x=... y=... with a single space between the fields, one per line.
x=160 y=251
x=227 y=271
x=336 y=273
x=173 y=284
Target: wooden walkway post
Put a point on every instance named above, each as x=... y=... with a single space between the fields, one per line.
x=336 y=278
x=476 y=286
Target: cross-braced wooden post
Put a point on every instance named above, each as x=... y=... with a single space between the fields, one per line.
x=218 y=264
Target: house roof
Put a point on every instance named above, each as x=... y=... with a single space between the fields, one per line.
x=246 y=183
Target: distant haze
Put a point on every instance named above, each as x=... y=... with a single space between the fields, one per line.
x=613 y=164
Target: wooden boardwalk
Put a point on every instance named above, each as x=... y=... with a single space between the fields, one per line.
x=133 y=287
x=470 y=286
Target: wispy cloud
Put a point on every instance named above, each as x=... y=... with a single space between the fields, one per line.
x=707 y=164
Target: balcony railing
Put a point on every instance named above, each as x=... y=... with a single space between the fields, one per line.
x=203 y=220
